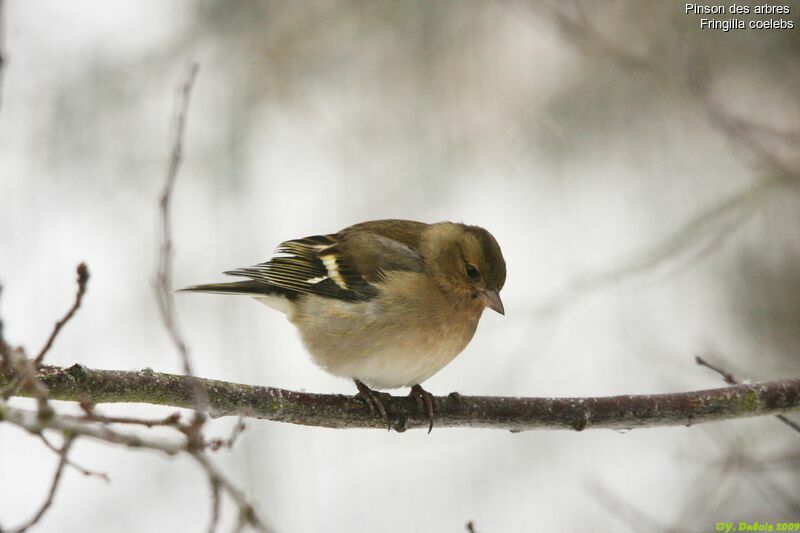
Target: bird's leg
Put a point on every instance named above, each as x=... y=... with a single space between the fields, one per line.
x=373 y=400
x=424 y=403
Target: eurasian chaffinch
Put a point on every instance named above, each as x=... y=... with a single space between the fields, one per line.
x=387 y=303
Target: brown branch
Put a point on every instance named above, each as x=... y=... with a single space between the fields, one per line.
x=163 y=278
x=63 y=461
x=83 y=278
x=163 y=283
x=193 y=431
x=83 y=470
x=21 y=368
x=217 y=444
x=733 y=380
x=247 y=514
x=33 y=423
x=91 y=415
x=20 y=375
x=215 y=504
x=78 y=383
x=74 y=427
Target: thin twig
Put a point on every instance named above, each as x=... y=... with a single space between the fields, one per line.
x=83 y=278
x=195 y=442
x=627 y=513
x=164 y=275
x=63 y=461
x=727 y=377
x=215 y=504
x=24 y=375
x=163 y=284
x=83 y=470
x=593 y=42
x=238 y=428
x=687 y=243
x=246 y=512
x=698 y=236
x=743 y=133
x=91 y=415
x=733 y=380
x=33 y=423
x=20 y=375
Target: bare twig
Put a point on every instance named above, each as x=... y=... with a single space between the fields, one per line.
x=33 y=423
x=339 y=411
x=247 y=514
x=591 y=41
x=21 y=375
x=91 y=415
x=215 y=504
x=634 y=518
x=727 y=377
x=83 y=470
x=166 y=302
x=733 y=380
x=217 y=444
x=163 y=283
x=63 y=461
x=745 y=134
x=24 y=375
x=700 y=234
x=15 y=360
x=774 y=460
x=689 y=241
x=195 y=442
x=83 y=278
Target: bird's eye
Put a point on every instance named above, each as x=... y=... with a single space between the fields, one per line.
x=472 y=272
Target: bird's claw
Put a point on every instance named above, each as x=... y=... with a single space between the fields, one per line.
x=424 y=403
x=373 y=400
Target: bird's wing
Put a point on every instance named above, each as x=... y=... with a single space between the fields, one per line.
x=344 y=266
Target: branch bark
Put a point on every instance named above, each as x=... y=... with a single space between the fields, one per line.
x=78 y=383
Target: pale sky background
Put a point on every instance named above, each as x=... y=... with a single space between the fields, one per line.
x=310 y=116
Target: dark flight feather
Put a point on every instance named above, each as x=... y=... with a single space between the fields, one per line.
x=324 y=264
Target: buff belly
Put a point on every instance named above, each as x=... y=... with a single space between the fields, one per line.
x=364 y=341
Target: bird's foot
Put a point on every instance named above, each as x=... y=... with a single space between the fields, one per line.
x=373 y=400
x=424 y=403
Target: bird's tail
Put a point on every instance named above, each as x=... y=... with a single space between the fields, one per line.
x=247 y=288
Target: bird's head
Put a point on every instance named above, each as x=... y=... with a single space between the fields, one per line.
x=466 y=262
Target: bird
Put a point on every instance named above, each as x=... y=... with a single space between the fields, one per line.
x=385 y=303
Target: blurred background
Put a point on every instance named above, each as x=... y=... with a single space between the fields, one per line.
x=640 y=174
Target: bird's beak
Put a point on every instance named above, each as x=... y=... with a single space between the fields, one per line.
x=491 y=299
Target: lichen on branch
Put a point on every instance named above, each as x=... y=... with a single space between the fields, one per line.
x=78 y=383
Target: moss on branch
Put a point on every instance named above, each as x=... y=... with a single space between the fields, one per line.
x=78 y=383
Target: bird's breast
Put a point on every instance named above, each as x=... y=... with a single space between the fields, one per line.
x=389 y=342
